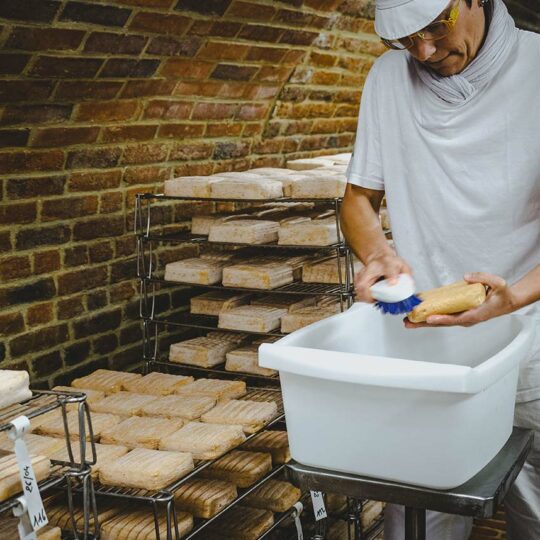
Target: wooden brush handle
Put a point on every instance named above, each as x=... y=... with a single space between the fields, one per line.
x=452 y=298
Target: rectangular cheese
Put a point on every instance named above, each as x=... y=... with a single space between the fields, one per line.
x=14 y=387
x=184 y=406
x=204 y=498
x=10 y=480
x=252 y=318
x=319 y=187
x=124 y=403
x=246 y=188
x=201 y=224
x=306 y=164
x=326 y=271
x=290 y=302
x=304 y=317
x=197 y=270
x=211 y=303
x=251 y=415
x=244 y=231
x=246 y=360
x=189 y=186
x=317 y=232
x=216 y=388
x=201 y=351
x=158 y=384
x=105 y=380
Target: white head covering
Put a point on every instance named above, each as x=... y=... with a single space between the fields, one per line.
x=399 y=18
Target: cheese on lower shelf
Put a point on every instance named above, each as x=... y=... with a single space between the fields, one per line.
x=290 y=302
x=244 y=231
x=198 y=270
x=14 y=387
x=201 y=224
x=190 y=186
x=317 y=232
x=304 y=317
x=211 y=303
x=306 y=164
x=201 y=351
x=242 y=187
x=246 y=360
x=319 y=187
x=252 y=318
x=10 y=480
x=326 y=271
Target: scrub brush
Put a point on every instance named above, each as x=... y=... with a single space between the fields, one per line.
x=397 y=298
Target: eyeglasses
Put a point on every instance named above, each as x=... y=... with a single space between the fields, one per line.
x=433 y=32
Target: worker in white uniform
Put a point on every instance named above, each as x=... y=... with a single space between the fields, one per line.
x=449 y=130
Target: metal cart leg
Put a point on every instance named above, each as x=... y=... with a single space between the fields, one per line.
x=415 y=523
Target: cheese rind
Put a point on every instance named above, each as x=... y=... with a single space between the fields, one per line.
x=14 y=387
x=197 y=270
x=213 y=302
x=246 y=231
x=105 y=380
x=317 y=232
x=251 y=415
x=251 y=318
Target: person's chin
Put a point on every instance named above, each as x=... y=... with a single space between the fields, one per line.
x=451 y=65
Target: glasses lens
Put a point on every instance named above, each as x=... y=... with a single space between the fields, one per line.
x=436 y=30
x=404 y=43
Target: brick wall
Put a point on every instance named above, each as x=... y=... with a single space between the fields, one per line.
x=100 y=100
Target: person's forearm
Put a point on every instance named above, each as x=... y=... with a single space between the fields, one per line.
x=527 y=290
x=361 y=226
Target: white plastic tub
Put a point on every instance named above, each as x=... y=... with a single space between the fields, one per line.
x=367 y=396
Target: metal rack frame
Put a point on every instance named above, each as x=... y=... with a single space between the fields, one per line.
x=64 y=473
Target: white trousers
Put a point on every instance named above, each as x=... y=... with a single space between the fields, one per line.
x=522 y=502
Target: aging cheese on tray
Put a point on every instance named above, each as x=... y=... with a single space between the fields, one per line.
x=13 y=387
x=252 y=318
x=306 y=316
x=196 y=270
x=326 y=271
x=317 y=232
x=201 y=351
x=243 y=187
x=213 y=302
x=190 y=186
x=244 y=231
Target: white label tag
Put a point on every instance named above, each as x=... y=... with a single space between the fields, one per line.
x=34 y=504
x=25 y=529
x=298 y=523
x=318 y=505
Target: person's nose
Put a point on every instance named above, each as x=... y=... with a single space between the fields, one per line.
x=423 y=50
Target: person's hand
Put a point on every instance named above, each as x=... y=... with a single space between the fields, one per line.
x=500 y=300
x=387 y=265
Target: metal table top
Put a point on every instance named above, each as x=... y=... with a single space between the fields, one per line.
x=479 y=497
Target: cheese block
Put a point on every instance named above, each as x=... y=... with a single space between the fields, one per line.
x=274 y=442
x=265 y=273
x=247 y=231
x=240 y=523
x=146 y=469
x=158 y=384
x=252 y=318
x=454 y=298
x=241 y=468
x=274 y=495
x=140 y=432
x=188 y=407
x=290 y=302
x=371 y=510
x=326 y=271
x=55 y=426
x=336 y=503
x=264 y=395
x=269 y=171
x=215 y=388
x=189 y=186
x=201 y=224
x=10 y=480
x=9 y=530
x=319 y=187
x=14 y=387
x=123 y=403
x=92 y=396
x=105 y=380
x=197 y=270
x=204 y=498
x=306 y=316
x=200 y=351
x=37 y=445
x=243 y=187
x=251 y=415
x=246 y=360
x=212 y=302
x=317 y=232
x=204 y=441
x=231 y=337
x=139 y=524
x=104 y=453
x=305 y=164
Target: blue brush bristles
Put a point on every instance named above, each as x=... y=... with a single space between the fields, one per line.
x=397 y=308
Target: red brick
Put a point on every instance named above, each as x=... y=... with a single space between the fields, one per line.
x=266 y=54
x=31 y=238
x=121 y=67
x=252 y=112
x=168 y=110
x=122 y=292
x=15 y=91
x=252 y=130
x=228 y=72
x=35 y=114
x=160 y=23
x=18 y=213
x=257 y=33
x=102 y=251
x=215 y=50
x=274 y=74
x=87 y=90
x=194 y=169
x=14 y=162
x=270 y=146
x=289 y=17
x=13 y=64
x=98 y=228
x=224 y=29
x=325 y=78
x=152 y=88
x=65 y=68
x=107 y=42
x=14 y=268
x=105 y=344
x=109 y=111
x=146 y=175
x=90 y=158
x=185 y=151
x=229 y=150
x=145 y=153
x=11 y=323
x=43 y=289
x=39 y=314
x=187 y=69
x=224 y=129
x=261 y=92
x=46 y=261
x=82 y=280
x=221 y=89
x=110 y=202
x=147 y=3
x=94 y=181
x=170 y=46
x=43 y=39
x=142 y=132
x=125 y=246
x=69 y=308
x=29 y=10
x=5 y=241
x=67 y=208
x=294 y=57
x=13 y=137
x=97 y=324
x=181 y=130
x=38 y=340
x=208 y=7
x=214 y=111
x=325 y=5
x=95 y=14
x=323 y=59
x=54 y=137
x=75 y=256
x=251 y=11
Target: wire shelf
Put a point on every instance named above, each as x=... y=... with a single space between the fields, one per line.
x=162 y=197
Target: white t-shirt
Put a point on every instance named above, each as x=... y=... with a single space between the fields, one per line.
x=462 y=182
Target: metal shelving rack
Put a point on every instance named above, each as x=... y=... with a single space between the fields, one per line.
x=65 y=475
